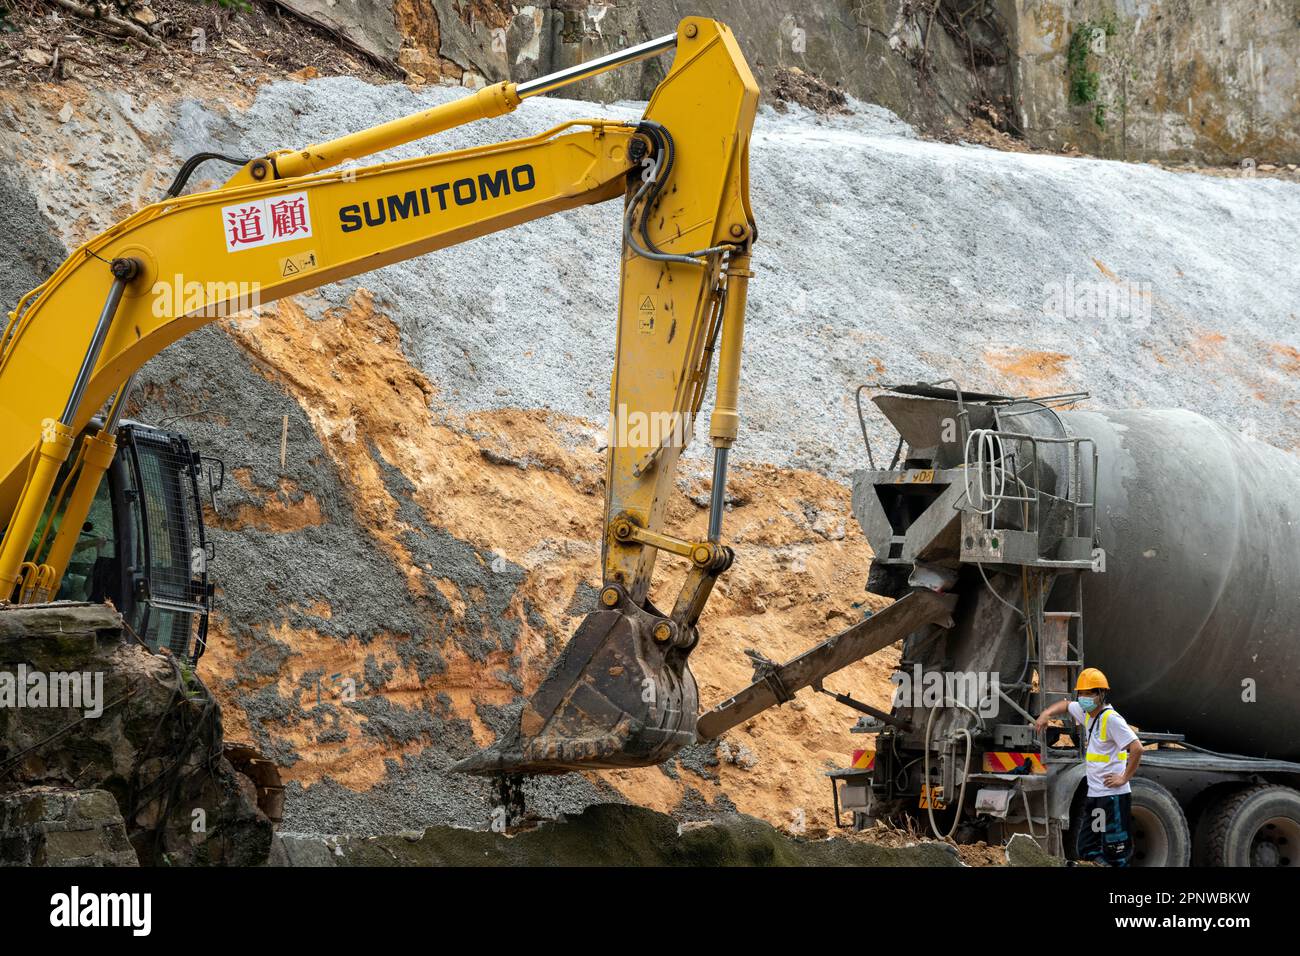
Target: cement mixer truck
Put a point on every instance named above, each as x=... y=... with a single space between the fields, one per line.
x=1156 y=545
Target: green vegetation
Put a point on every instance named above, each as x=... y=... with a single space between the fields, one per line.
x=190 y=686
x=1085 y=82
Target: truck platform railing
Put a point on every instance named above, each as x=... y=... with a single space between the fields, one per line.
x=999 y=478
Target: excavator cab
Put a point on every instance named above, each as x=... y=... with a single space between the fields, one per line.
x=143 y=545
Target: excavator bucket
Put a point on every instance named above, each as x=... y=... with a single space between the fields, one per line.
x=615 y=697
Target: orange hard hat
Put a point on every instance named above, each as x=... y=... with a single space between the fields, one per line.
x=1091 y=679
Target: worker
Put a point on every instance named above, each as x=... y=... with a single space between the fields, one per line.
x=1112 y=754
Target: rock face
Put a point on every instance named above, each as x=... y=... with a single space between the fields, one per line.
x=1131 y=79
x=886 y=51
x=81 y=708
x=1169 y=79
x=1023 y=850
x=47 y=826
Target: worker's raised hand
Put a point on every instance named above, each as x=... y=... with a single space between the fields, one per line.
x=1040 y=725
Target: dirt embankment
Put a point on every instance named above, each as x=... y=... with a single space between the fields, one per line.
x=166 y=42
x=526 y=487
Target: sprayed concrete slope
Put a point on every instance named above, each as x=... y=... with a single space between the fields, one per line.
x=880 y=255
x=432 y=531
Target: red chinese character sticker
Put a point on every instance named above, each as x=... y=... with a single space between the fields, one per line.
x=289 y=218
x=261 y=222
x=244 y=226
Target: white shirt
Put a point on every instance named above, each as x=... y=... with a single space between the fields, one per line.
x=1108 y=736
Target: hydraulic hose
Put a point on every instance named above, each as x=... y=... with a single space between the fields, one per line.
x=657 y=176
x=193 y=163
x=965 y=771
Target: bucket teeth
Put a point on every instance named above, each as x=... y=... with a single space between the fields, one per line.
x=615 y=697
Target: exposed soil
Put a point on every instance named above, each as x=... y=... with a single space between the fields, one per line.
x=884 y=835
x=793 y=85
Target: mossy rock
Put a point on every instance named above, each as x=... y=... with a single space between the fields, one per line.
x=612 y=835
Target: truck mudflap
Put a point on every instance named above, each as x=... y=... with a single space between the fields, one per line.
x=775 y=684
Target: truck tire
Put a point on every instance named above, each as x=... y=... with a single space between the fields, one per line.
x=1161 y=836
x=1258 y=826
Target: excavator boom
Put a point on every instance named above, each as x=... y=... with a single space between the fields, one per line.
x=621 y=693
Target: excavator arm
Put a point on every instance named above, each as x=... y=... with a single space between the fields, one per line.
x=621 y=693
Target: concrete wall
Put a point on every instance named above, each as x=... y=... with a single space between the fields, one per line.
x=1208 y=80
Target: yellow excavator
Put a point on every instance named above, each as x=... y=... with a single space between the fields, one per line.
x=620 y=694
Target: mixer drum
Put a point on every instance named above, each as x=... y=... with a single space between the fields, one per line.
x=1196 y=620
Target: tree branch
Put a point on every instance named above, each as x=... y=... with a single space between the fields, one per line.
x=122 y=28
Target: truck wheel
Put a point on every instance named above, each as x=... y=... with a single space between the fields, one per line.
x=1259 y=826
x=1161 y=836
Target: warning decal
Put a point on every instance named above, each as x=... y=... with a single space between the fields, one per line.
x=302 y=262
x=646 y=312
x=261 y=222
